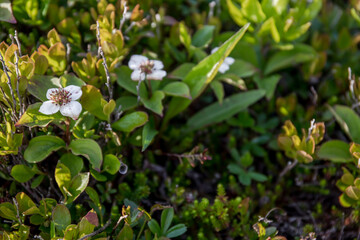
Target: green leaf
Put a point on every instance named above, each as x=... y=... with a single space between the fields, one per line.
x=155 y=102
x=185 y=37
x=89 y=149
x=93 y=101
x=126 y=233
x=181 y=71
x=22 y=173
x=269 y=26
x=268 y=84
x=73 y=162
x=154 y=227
x=353 y=192
x=203 y=73
x=236 y=14
x=257 y=176
x=6 y=13
x=252 y=10
x=77 y=186
x=126 y=102
x=41 y=147
x=26 y=205
x=148 y=134
x=178 y=89
x=38 y=86
x=93 y=195
x=167 y=216
x=111 y=164
x=33 y=118
x=37 y=181
x=123 y=74
x=109 y=107
x=216 y=113
x=61 y=217
x=242 y=68
x=63 y=178
x=299 y=53
x=203 y=36
x=131 y=121
x=8 y=211
x=68 y=28
x=176 y=231
x=348 y=120
x=335 y=151
x=71 y=79
x=218 y=89
x=346 y=201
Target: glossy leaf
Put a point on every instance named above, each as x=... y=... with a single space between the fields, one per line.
x=77 y=186
x=219 y=112
x=148 y=134
x=299 y=53
x=179 y=89
x=22 y=173
x=41 y=147
x=203 y=73
x=61 y=217
x=6 y=13
x=33 y=118
x=335 y=151
x=111 y=164
x=348 y=120
x=89 y=149
x=131 y=121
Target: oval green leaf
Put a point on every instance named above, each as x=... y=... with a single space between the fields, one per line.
x=335 y=151
x=89 y=149
x=22 y=173
x=41 y=147
x=131 y=121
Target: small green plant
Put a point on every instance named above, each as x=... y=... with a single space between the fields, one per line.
x=242 y=168
x=164 y=231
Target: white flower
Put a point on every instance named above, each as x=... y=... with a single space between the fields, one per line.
x=143 y=67
x=63 y=99
x=226 y=64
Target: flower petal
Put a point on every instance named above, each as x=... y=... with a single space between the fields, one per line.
x=75 y=92
x=223 y=68
x=214 y=50
x=50 y=91
x=137 y=75
x=71 y=109
x=156 y=75
x=136 y=60
x=229 y=60
x=49 y=107
x=158 y=65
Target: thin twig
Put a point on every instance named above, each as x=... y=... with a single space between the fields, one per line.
x=17 y=210
x=288 y=167
x=18 y=43
x=97 y=231
x=311 y=128
x=9 y=81
x=122 y=21
x=102 y=55
x=18 y=81
x=108 y=84
x=117 y=223
x=342 y=227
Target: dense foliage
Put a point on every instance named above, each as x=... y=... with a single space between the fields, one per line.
x=225 y=119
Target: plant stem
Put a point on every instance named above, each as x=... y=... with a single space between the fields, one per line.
x=67 y=133
x=150 y=88
x=141 y=230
